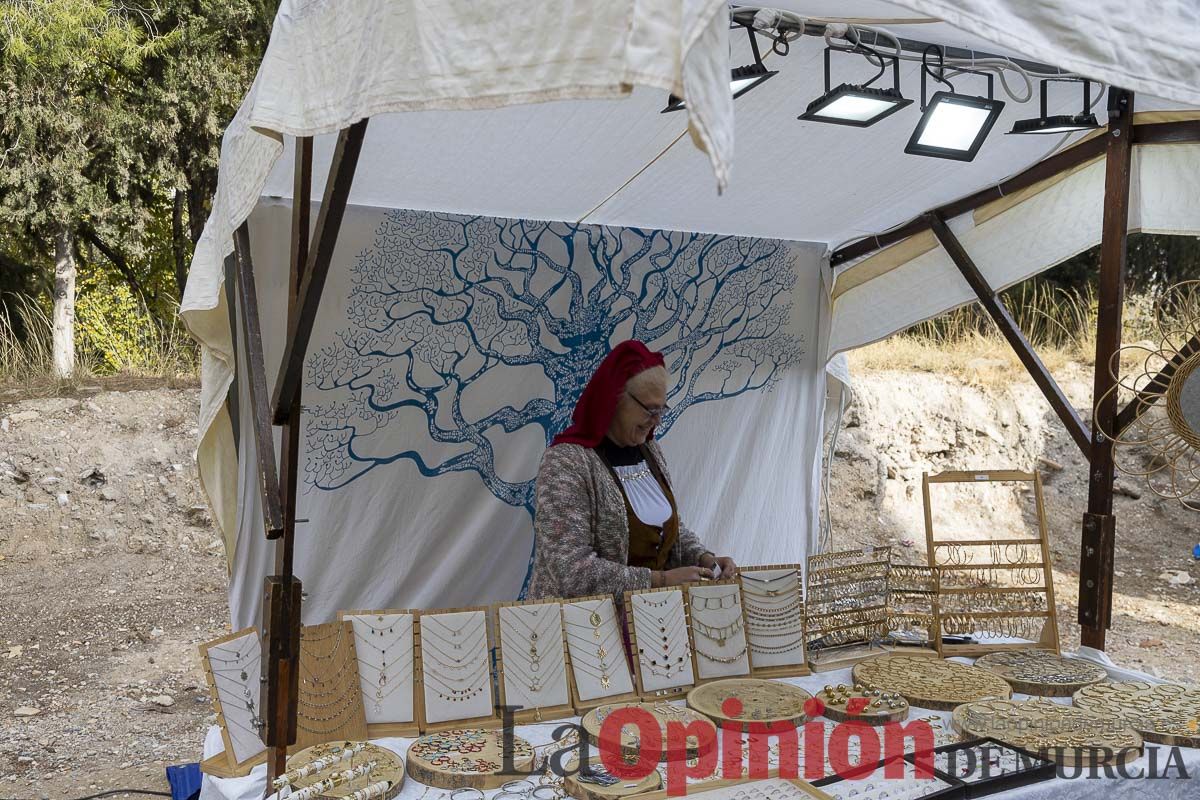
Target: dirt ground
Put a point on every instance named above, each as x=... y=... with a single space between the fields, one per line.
x=111 y=571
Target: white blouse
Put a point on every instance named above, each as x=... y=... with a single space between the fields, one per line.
x=645 y=495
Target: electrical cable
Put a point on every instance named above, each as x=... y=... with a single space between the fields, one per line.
x=111 y=792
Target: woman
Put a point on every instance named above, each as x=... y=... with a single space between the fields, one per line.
x=606 y=519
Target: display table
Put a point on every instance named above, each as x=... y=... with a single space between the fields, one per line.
x=1173 y=786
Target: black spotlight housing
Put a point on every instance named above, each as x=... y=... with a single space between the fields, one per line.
x=858 y=105
x=953 y=125
x=741 y=79
x=1060 y=123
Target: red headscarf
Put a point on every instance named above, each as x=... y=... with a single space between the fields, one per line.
x=598 y=403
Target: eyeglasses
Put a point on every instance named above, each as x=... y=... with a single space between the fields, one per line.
x=655 y=413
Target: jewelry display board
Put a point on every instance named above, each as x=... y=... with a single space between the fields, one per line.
x=761 y=701
x=343 y=770
x=992 y=588
x=873 y=783
x=596 y=652
x=454 y=659
x=1166 y=713
x=718 y=623
x=847 y=606
x=1042 y=673
x=930 y=682
x=987 y=766
x=912 y=592
x=468 y=758
x=660 y=640
x=232 y=665
x=662 y=712
x=1069 y=735
x=857 y=703
x=773 y=600
x=385 y=644
x=531 y=661
x=597 y=783
x=330 y=703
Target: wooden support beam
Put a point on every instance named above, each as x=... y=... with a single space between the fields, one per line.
x=1150 y=393
x=281 y=679
x=320 y=256
x=256 y=376
x=1097 y=546
x=1046 y=168
x=1181 y=132
x=1011 y=331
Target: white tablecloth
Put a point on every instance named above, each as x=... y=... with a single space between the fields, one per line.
x=252 y=786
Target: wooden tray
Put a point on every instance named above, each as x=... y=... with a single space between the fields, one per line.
x=1165 y=713
x=389 y=766
x=1067 y=735
x=1041 y=672
x=930 y=682
x=466 y=749
x=593 y=722
x=764 y=702
x=329 y=670
x=836 y=702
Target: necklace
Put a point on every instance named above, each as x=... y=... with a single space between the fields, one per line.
x=723 y=659
x=706 y=603
x=595 y=620
x=782 y=648
x=602 y=676
x=474 y=637
x=441 y=620
x=455 y=695
x=718 y=633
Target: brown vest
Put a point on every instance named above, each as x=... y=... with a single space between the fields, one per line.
x=647 y=548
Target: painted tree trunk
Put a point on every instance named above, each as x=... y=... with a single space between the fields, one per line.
x=64 y=303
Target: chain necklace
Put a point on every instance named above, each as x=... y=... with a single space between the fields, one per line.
x=474 y=638
x=594 y=617
x=313 y=681
x=381 y=671
x=717 y=633
x=533 y=684
x=782 y=648
x=245 y=700
x=458 y=695
x=533 y=656
x=601 y=648
x=723 y=659
x=246 y=648
x=365 y=621
x=602 y=676
x=380 y=695
x=473 y=616
x=672 y=662
x=706 y=603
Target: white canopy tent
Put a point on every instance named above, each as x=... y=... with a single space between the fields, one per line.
x=550 y=111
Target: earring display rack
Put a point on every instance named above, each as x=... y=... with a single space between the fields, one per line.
x=469 y=758
x=531 y=661
x=912 y=592
x=776 y=623
x=661 y=643
x=662 y=712
x=718 y=626
x=597 y=783
x=930 y=682
x=330 y=703
x=455 y=664
x=376 y=764
x=1165 y=713
x=596 y=653
x=761 y=701
x=232 y=667
x=1042 y=673
x=1075 y=736
x=849 y=608
x=386 y=643
x=993 y=589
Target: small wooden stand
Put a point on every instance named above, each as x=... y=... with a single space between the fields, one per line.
x=938 y=551
x=635 y=651
x=800 y=666
x=583 y=705
x=537 y=714
x=485 y=722
x=482 y=766
x=697 y=659
x=405 y=728
x=763 y=702
x=225 y=764
x=323 y=666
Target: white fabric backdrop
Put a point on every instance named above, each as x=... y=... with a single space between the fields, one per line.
x=383 y=531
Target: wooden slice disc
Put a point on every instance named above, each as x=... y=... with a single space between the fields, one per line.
x=1060 y=733
x=930 y=682
x=389 y=766
x=467 y=758
x=1166 y=713
x=873 y=706
x=662 y=712
x=761 y=701
x=1041 y=672
x=581 y=788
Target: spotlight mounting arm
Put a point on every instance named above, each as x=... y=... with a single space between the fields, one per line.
x=940 y=75
x=883 y=59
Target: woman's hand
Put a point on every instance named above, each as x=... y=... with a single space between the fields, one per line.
x=681 y=575
x=727 y=565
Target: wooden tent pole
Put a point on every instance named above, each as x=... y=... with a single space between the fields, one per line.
x=1097 y=545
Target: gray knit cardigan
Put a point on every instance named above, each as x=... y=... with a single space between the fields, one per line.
x=582 y=532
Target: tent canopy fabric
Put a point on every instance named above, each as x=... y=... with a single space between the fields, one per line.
x=552 y=111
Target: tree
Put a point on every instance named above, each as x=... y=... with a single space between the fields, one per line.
x=443 y=306
x=67 y=133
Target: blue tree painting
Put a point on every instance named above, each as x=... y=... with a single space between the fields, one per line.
x=440 y=302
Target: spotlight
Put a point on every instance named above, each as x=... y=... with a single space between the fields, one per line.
x=1061 y=123
x=741 y=79
x=858 y=105
x=953 y=125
